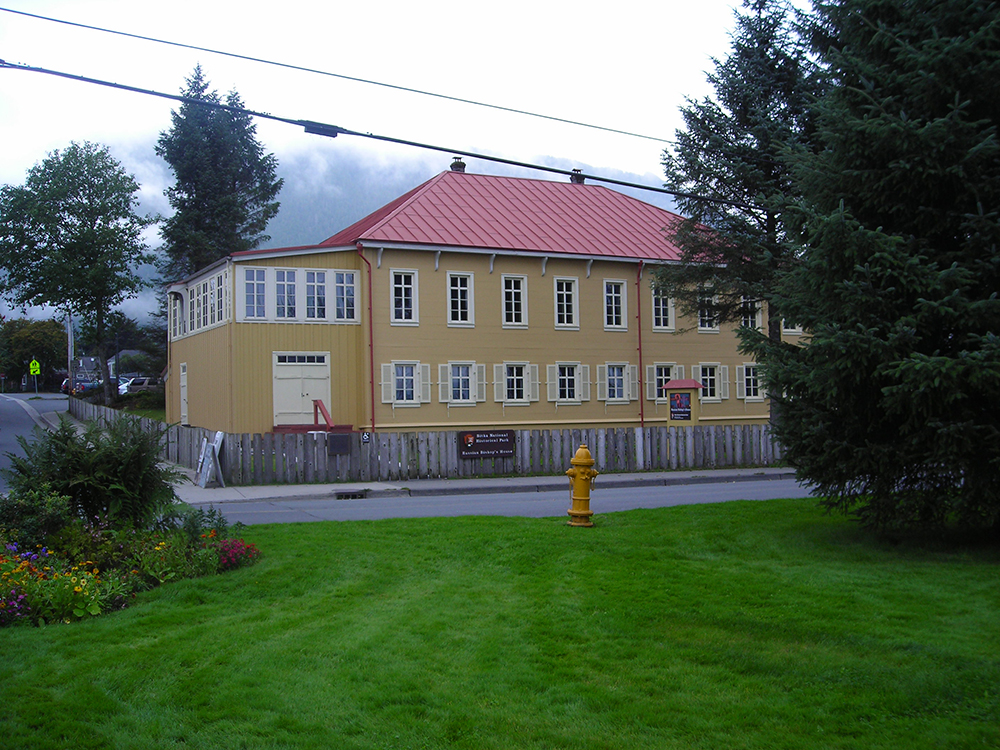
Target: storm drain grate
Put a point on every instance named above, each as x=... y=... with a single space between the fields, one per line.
x=361 y=495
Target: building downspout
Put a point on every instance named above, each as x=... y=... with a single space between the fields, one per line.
x=371 y=334
x=638 y=317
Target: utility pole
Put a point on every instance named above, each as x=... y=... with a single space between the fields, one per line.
x=69 y=350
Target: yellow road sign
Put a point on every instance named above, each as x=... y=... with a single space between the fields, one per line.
x=34 y=368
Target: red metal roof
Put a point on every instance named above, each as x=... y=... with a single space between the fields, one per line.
x=458 y=209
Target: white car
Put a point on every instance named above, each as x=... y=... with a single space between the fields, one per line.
x=123 y=386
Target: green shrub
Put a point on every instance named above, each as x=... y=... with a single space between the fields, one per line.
x=32 y=514
x=111 y=473
x=155 y=399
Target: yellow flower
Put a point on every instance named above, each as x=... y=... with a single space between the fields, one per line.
x=96 y=571
x=74 y=577
x=77 y=589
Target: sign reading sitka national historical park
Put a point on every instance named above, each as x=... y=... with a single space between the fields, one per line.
x=488 y=444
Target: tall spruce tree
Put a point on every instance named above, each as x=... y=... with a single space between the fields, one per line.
x=892 y=408
x=735 y=149
x=225 y=189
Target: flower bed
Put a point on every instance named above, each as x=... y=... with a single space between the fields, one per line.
x=99 y=569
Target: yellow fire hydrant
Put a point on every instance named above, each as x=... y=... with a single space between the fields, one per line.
x=580 y=477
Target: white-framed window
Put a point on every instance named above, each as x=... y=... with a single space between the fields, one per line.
x=254 y=293
x=567 y=303
x=664 y=318
x=344 y=296
x=461 y=383
x=222 y=297
x=791 y=329
x=617 y=382
x=315 y=295
x=615 y=300
x=405 y=309
x=752 y=314
x=461 y=303
x=300 y=359
x=204 y=304
x=406 y=383
x=748 y=385
x=212 y=307
x=658 y=375
x=515 y=383
x=177 y=322
x=515 y=306
x=714 y=379
x=708 y=319
x=568 y=382
x=284 y=294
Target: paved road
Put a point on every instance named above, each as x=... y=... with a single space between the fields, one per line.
x=529 y=504
x=19 y=415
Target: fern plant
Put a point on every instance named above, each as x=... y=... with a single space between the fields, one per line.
x=112 y=472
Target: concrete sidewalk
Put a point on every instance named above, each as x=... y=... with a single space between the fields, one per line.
x=189 y=492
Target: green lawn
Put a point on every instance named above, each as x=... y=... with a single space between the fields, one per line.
x=159 y=415
x=742 y=625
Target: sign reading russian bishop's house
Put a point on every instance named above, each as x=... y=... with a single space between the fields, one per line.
x=488 y=444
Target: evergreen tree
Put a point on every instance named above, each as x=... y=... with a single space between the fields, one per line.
x=70 y=238
x=225 y=189
x=892 y=408
x=736 y=150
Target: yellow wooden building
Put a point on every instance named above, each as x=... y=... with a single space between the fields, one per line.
x=471 y=302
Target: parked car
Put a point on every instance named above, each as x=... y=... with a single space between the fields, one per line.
x=86 y=386
x=123 y=385
x=144 y=384
x=65 y=386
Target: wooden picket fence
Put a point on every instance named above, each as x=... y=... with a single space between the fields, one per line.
x=304 y=458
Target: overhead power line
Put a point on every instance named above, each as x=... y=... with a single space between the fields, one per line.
x=332 y=131
x=337 y=75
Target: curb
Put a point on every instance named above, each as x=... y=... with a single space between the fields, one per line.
x=351 y=493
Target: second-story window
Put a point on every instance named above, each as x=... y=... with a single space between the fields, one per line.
x=708 y=319
x=460 y=302
x=566 y=303
x=614 y=305
x=751 y=313
x=316 y=295
x=515 y=314
x=284 y=294
x=254 y=292
x=663 y=312
x=344 y=295
x=404 y=297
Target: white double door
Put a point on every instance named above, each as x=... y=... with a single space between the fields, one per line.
x=299 y=379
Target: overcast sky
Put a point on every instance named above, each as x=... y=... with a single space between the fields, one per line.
x=626 y=66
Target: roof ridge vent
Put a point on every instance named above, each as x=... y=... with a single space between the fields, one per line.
x=577 y=177
x=458 y=165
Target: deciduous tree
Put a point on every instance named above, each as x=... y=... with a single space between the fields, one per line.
x=70 y=237
x=22 y=340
